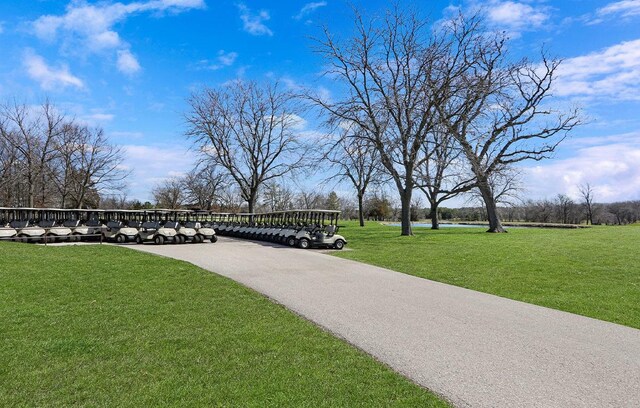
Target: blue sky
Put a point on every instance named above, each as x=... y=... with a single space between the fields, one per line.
x=129 y=67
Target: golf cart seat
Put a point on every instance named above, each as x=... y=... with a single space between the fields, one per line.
x=93 y=223
x=71 y=223
x=172 y=224
x=46 y=223
x=150 y=225
x=331 y=229
x=18 y=224
x=134 y=224
x=114 y=225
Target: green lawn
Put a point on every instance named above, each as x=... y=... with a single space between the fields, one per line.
x=107 y=326
x=593 y=272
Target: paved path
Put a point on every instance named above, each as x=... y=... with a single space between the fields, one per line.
x=474 y=349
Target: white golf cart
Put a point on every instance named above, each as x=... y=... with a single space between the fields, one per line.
x=24 y=221
x=156 y=228
x=119 y=227
x=52 y=220
x=199 y=220
x=6 y=231
x=319 y=234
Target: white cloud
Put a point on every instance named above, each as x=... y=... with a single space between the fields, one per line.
x=308 y=9
x=609 y=73
x=228 y=58
x=126 y=135
x=254 y=23
x=609 y=164
x=149 y=164
x=98 y=117
x=88 y=27
x=515 y=17
x=224 y=59
x=50 y=78
x=127 y=62
x=625 y=8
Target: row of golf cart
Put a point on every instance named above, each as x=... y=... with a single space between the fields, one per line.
x=295 y=228
x=140 y=226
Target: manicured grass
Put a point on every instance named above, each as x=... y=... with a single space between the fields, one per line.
x=593 y=272
x=107 y=326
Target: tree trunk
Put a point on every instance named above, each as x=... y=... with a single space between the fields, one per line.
x=433 y=213
x=495 y=225
x=251 y=202
x=405 y=214
x=31 y=193
x=361 y=210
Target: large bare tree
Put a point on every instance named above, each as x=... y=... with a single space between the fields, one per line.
x=203 y=185
x=51 y=160
x=250 y=129
x=588 y=197
x=444 y=174
x=169 y=193
x=31 y=133
x=356 y=160
x=390 y=69
x=97 y=165
x=499 y=111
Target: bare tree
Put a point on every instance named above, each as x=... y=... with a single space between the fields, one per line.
x=565 y=206
x=498 y=111
x=309 y=199
x=276 y=197
x=96 y=165
x=586 y=192
x=32 y=134
x=10 y=173
x=53 y=161
x=357 y=160
x=248 y=129
x=230 y=199
x=390 y=70
x=169 y=193
x=443 y=175
x=202 y=185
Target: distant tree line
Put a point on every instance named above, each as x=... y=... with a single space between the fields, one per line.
x=48 y=159
x=560 y=211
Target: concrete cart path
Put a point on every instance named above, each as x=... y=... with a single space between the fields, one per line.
x=472 y=348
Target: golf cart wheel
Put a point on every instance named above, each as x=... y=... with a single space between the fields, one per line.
x=138 y=239
x=121 y=239
x=214 y=238
x=291 y=241
x=158 y=240
x=179 y=239
x=339 y=244
x=304 y=243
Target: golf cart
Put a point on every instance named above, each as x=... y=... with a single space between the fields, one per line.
x=84 y=224
x=184 y=232
x=156 y=228
x=52 y=220
x=6 y=232
x=24 y=223
x=197 y=220
x=320 y=235
x=120 y=226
